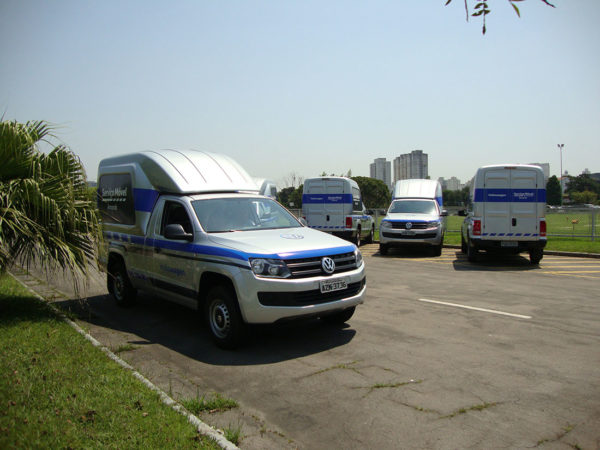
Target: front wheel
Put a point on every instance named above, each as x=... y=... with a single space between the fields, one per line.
x=224 y=318
x=383 y=249
x=340 y=317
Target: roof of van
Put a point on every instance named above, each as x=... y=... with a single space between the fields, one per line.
x=511 y=166
x=184 y=171
x=417 y=188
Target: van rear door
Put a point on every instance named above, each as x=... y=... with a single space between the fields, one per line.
x=510 y=208
x=324 y=204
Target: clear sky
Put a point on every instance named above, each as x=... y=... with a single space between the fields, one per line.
x=309 y=86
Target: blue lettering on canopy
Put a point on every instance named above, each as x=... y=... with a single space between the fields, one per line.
x=510 y=195
x=327 y=198
x=144 y=199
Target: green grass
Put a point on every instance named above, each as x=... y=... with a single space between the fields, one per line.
x=216 y=403
x=58 y=391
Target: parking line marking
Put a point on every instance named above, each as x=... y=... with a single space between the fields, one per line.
x=493 y=311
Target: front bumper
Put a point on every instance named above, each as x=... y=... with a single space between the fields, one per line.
x=393 y=237
x=267 y=300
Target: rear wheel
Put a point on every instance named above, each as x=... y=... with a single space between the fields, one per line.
x=471 y=252
x=357 y=238
x=119 y=285
x=224 y=318
x=371 y=236
x=536 y=255
x=463 y=244
x=340 y=317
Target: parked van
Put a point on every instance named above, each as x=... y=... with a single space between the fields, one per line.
x=334 y=205
x=192 y=227
x=509 y=207
x=415 y=216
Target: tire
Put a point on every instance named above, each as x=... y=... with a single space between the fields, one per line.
x=383 y=249
x=340 y=317
x=463 y=244
x=119 y=285
x=223 y=318
x=357 y=238
x=471 y=252
x=371 y=236
x=536 y=255
x=437 y=249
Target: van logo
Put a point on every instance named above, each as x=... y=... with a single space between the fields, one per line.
x=408 y=225
x=328 y=265
x=292 y=236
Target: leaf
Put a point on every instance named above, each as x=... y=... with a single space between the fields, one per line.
x=516 y=9
x=448 y=2
x=478 y=13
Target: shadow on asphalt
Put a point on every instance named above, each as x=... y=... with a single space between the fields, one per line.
x=486 y=262
x=157 y=321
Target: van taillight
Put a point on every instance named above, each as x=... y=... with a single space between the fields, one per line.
x=477 y=227
x=348 y=222
x=542 y=228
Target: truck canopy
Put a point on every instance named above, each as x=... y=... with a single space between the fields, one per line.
x=418 y=188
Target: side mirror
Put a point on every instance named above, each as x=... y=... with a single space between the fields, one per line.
x=303 y=221
x=176 y=232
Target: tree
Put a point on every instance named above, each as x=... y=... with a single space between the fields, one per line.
x=553 y=191
x=582 y=183
x=375 y=193
x=481 y=9
x=584 y=197
x=283 y=196
x=46 y=214
x=296 y=197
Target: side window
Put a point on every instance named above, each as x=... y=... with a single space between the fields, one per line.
x=175 y=213
x=356 y=201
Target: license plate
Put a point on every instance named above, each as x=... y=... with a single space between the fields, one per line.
x=333 y=285
x=408 y=233
x=509 y=244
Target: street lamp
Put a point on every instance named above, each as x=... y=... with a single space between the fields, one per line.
x=560 y=147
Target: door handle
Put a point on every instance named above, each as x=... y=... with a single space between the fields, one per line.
x=514 y=222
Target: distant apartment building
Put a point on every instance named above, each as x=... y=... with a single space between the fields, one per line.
x=411 y=165
x=453 y=184
x=546 y=168
x=381 y=169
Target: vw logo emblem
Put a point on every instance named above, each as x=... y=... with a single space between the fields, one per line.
x=408 y=225
x=328 y=265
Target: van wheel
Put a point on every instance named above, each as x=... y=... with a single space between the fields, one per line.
x=340 y=317
x=383 y=249
x=536 y=255
x=463 y=244
x=119 y=285
x=437 y=250
x=224 y=318
x=471 y=252
x=371 y=236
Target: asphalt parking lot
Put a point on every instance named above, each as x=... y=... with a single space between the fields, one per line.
x=443 y=354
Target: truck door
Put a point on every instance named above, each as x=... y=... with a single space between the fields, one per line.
x=523 y=205
x=172 y=260
x=324 y=204
x=496 y=203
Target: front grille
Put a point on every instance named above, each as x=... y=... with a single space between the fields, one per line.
x=413 y=236
x=307 y=298
x=311 y=267
x=415 y=225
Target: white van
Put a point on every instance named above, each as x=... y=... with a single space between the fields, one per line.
x=192 y=227
x=509 y=206
x=334 y=205
x=415 y=216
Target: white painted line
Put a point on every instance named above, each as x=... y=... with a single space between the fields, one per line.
x=493 y=311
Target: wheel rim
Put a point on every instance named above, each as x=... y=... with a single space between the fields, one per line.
x=118 y=286
x=220 y=319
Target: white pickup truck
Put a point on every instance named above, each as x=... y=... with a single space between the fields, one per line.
x=192 y=227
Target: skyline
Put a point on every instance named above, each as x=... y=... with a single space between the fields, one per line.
x=306 y=87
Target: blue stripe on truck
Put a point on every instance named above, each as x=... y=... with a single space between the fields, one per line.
x=144 y=199
x=510 y=195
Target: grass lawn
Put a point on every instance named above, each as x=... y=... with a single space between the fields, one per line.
x=59 y=391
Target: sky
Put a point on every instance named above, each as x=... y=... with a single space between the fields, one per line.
x=305 y=87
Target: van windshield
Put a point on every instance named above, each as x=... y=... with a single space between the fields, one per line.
x=413 y=207
x=221 y=215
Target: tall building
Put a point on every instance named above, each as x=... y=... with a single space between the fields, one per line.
x=453 y=184
x=381 y=169
x=411 y=165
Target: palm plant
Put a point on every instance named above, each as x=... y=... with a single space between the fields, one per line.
x=46 y=213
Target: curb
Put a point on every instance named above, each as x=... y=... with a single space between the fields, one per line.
x=203 y=428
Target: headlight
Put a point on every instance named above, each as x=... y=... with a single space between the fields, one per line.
x=274 y=268
x=384 y=224
x=434 y=224
x=359 y=258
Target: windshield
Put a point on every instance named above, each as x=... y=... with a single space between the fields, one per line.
x=413 y=207
x=220 y=215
